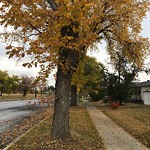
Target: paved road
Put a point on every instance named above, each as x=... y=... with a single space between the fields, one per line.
x=13 y=111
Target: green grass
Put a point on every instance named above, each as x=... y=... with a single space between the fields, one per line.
x=84 y=136
x=134 y=118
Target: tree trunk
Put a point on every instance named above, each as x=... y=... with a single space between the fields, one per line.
x=67 y=57
x=1 y=93
x=119 y=90
x=24 y=94
x=73 y=101
x=60 y=124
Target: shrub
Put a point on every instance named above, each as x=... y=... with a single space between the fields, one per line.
x=95 y=96
x=114 y=105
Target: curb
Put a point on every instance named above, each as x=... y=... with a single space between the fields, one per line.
x=19 y=137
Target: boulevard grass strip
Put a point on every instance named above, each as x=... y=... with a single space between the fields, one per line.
x=84 y=136
x=134 y=118
x=18 y=96
x=23 y=126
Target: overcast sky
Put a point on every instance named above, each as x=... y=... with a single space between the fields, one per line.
x=15 y=68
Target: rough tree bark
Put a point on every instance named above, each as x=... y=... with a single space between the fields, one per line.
x=60 y=125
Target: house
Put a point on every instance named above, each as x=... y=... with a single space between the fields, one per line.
x=142 y=92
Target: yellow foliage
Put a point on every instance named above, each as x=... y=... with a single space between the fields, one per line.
x=38 y=28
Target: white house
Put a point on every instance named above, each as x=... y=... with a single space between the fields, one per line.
x=143 y=92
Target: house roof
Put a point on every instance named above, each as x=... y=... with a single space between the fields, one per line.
x=143 y=84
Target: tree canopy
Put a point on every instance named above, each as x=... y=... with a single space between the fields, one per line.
x=88 y=75
x=35 y=28
x=8 y=83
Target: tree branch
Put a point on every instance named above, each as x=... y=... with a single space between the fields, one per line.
x=31 y=24
x=52 y=4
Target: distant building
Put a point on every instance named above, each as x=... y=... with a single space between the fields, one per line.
x=142 y=92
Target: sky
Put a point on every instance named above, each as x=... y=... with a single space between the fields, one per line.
x=15 y=68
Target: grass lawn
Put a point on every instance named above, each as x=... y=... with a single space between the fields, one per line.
x=84 y=135
x=17 y=96
x=134 y=118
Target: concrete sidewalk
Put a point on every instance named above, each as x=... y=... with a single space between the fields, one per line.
x=114 y=137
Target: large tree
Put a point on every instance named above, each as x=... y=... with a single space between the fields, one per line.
x=3 y=79
x=25 y=84
x=11 y=84
x=126 y=73
x=88 y=76
x=118 y=88
x=8 y=83
x=59 y=32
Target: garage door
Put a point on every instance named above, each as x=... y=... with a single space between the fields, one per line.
x=146 y=98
